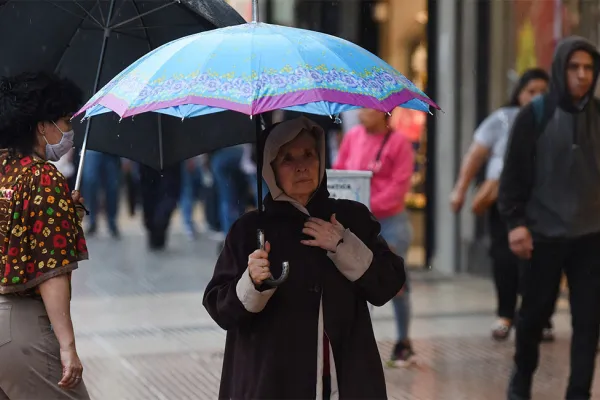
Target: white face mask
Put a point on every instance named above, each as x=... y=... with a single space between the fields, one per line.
x=55 y=152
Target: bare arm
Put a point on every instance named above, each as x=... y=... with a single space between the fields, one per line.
x=57 y=299
x=472 y=162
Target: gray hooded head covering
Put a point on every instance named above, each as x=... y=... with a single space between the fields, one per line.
x=283 y=133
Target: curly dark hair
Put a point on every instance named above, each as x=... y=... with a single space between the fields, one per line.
x=30 y=98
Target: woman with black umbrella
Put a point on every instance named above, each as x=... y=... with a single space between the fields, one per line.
x=42 y=240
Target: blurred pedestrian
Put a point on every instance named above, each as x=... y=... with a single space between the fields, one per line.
x=102 y=173
x=42 y=240
x=248 y=167
x=192 y=191
x=230 y=185
x=317 y=322
x=374 y=146
x=131 y=177
x=489 y=144
x=160 y=194
x=549 y=191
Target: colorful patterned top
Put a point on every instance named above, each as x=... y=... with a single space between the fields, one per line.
x=40 y=233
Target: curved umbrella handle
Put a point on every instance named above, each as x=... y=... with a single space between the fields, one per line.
x=285 y=266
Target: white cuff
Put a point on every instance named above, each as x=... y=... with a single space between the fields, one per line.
x=352 y=257
x=252 y=300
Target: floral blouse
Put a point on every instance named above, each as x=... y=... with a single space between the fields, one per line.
x=40 y=231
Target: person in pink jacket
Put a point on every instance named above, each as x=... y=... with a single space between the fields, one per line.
x=373 y=146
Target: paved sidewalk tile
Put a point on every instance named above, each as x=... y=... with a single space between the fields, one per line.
x=470 y=368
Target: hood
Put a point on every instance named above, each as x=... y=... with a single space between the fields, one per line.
x=279 y=135
x=558 y=82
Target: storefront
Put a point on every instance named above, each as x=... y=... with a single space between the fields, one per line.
x=403 y=45
x=533 y=27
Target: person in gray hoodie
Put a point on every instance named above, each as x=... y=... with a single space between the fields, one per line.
x=549 y=197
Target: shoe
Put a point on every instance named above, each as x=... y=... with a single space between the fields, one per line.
x=519 y=387
x=157 y=241
x=501 y=329
x=403 y=355
x=548 y=335
x=92 y=230
x=114 y=231
x=191 y=234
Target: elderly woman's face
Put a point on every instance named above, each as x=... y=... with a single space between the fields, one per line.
x=297 y=167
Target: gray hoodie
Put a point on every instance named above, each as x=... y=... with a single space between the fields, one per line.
x=551 y=177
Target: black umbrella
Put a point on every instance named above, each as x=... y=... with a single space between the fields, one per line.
x=91 y=41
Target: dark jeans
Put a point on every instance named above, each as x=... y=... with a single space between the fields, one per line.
x=101 y=171
x=225 y=165
x=192 y=189
x=580 y=260
x=160 y=193
x=507 y=269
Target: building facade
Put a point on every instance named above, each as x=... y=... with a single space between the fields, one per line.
x=482 y=47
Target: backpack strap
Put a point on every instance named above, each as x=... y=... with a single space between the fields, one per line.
x=538 y=110
x=543 y=108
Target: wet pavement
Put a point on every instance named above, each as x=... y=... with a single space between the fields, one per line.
x=143 y=334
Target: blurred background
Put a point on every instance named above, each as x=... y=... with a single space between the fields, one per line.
x=142 y=331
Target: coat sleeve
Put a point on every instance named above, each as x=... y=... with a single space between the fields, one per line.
x=518 y=171
x=377 y=272
x=230 y=297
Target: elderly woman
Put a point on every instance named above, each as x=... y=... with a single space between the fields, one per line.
x=41 y=238
x=311 y=337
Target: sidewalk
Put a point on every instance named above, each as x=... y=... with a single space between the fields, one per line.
x=143 y=333
x=165 y=347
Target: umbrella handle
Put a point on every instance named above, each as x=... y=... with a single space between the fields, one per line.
x=285 y=266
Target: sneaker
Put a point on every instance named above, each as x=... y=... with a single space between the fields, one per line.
x=191 y=234
x=403 y=356
x=548 y=335
x=501 y=329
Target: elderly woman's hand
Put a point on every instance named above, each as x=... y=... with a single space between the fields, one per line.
x=258 y=265
x=327 y=235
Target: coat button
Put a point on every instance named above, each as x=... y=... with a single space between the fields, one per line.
x=315 y=288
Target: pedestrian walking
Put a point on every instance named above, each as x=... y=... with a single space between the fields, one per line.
x=160 y=193
x=42 y=240
x=311 y=337
x=102 y=172
x=548 y=196
x=374 y=146
x=489 y=145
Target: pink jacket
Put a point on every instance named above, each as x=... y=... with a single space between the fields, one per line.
x=391 y=181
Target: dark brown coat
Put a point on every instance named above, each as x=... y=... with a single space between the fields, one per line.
x=273 y=354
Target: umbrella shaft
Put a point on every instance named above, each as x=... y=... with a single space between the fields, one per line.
x=95 y=89
x=254 y=10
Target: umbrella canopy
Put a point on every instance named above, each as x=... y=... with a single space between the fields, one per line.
x=91 y=41
x=255 y=68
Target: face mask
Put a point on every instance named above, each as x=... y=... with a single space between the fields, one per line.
x=55 y=152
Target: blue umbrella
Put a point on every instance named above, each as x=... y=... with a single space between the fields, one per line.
x=255 y=68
